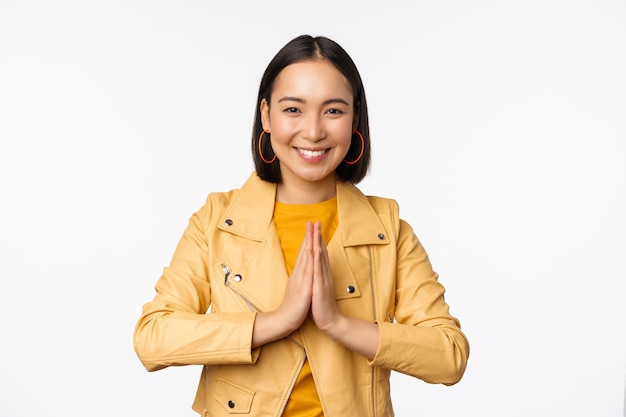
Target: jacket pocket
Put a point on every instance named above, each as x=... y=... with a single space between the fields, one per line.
x=235 y=399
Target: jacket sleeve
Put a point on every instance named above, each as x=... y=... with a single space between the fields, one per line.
x=424 y=340
x=173 y=328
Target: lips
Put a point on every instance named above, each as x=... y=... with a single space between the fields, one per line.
x=312 y=154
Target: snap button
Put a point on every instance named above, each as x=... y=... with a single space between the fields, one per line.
x=237 y=278
x=350 y=289
x=381 y=236
x=231 y=404
x=228 y=222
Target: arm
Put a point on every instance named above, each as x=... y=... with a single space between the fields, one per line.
x=425 y=341
x=173 y=328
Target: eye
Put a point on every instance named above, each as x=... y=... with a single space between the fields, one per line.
x=334 y=111
x=291 y=110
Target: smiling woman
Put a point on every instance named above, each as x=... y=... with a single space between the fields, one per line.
x=297 y=293
x=310 y=122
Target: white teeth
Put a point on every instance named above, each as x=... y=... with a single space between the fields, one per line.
x=311 y=154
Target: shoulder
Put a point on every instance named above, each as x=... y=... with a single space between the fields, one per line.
x=221 y=199
x=252 y=189
x=213 y=208
x=383 y=206
x=246 y=210
x=386 y=210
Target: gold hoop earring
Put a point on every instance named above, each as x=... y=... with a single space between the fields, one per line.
x=362 y=148
x=261 y=152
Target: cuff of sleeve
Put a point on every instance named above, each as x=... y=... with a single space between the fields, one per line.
x=384 y=342
x=254 y=352
x=238 y=329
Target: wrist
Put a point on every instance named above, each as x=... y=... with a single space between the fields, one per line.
x=269 y=326
x=339 y=327
x=282 y=323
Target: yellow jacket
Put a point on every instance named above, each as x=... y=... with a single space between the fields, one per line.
x=229 y=264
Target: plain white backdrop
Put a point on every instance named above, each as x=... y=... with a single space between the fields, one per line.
x=499 y=126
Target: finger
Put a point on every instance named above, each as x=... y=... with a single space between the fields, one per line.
x=325 y=261
x=310 y=229
x=308 y=267
x=305 y=248
x=323 y=278
x=317 y=248
x=322 y=254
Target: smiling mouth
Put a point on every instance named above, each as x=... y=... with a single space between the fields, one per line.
x=312 y=154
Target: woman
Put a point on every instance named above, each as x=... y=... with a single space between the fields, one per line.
x=297 y=293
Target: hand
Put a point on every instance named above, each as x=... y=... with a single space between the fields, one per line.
x=296 y=303
x=324 y=308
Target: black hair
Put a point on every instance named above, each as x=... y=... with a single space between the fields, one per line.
x=299 y=49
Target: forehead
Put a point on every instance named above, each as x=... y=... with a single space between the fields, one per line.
x=316 y=78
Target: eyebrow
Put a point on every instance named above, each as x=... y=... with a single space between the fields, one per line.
x=299 y=100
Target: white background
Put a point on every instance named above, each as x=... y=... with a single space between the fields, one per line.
x=499 y=126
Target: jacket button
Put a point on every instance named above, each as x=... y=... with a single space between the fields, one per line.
x=228 y=222
x=350 y=289
x=381 y=236
x=231 y=404
x=237 y=278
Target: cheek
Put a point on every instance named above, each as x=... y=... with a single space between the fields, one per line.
x=343 y=133
x=281 y=131
x=281 y=124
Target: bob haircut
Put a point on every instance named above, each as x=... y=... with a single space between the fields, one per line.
x=305 y=48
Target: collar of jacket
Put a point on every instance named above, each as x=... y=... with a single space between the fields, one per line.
x=251 y=211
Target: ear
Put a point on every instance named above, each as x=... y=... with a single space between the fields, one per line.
x=264 y=108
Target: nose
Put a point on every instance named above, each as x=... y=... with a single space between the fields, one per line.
x=313 y=129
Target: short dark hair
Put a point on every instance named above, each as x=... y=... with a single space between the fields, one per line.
x=299 y=49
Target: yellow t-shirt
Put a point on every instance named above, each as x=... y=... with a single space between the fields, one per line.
x=290 y=220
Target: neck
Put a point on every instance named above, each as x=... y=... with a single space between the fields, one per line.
x=306 y=192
